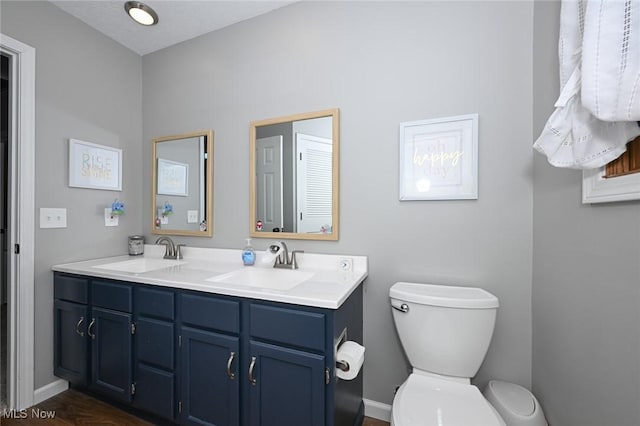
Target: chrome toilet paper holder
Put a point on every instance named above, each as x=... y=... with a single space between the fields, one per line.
x=342 y=365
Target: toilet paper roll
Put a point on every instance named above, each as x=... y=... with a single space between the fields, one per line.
x=352 y=354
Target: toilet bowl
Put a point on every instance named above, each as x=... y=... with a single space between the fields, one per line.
x=445 y=332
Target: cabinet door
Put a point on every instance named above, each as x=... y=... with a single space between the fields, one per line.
x=154 y=367
x=71 y=343
x=287 y=386
x=210 y=384
x=111 y=353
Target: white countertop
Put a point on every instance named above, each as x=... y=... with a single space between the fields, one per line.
x=329 y=286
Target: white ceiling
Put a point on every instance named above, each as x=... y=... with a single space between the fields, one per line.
x=179 y=20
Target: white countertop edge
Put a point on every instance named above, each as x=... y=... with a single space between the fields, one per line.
x=316 y=293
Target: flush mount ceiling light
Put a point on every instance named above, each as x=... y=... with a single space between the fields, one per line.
x=141 y=13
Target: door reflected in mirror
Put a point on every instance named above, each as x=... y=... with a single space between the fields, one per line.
x=294 y=176
x=182 y=202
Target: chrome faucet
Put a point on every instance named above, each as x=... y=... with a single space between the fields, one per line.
x=172 y=251
x=283 y=260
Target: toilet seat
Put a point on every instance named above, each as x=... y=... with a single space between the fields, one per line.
x=429 y=401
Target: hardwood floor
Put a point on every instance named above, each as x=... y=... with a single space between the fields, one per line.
x=368 y=421
x=75 y=408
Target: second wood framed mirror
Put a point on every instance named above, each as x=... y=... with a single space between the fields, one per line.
x=294 y=181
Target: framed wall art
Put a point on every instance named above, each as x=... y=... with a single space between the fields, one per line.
x=439 y=159
x=94 y=166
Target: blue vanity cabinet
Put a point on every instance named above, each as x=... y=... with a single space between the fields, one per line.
x=93 y=334
x=291 y=364
x=286 y=365
x=209 y=359
x=111 y=332
x=71 y=318
x=196 y=358
x=287 y=386
x=155 y=351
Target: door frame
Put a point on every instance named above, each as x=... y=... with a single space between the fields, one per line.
x=21 y=209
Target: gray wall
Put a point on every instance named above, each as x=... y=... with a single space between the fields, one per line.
x=87 y=88
x=586 y=281
x=381 y=64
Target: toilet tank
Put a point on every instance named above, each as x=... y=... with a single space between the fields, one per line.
x=444 y=330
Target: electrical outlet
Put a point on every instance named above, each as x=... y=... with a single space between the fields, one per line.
x=192 y=216
x=345 y=264
x=110 y=219
x=164 y=220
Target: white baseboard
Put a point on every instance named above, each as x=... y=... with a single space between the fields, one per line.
x=377 y=410
x=50 y=390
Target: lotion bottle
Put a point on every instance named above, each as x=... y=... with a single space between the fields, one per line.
x=248 y=255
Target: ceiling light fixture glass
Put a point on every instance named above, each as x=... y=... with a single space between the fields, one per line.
x=141 y=13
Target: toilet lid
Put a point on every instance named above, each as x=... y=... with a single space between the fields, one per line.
x=428 y=401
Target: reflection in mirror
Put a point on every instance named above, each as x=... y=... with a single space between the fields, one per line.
x=182 y=171
x=294 y=176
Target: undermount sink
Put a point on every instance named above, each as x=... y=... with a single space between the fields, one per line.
x=138 y=266
x=276 y=279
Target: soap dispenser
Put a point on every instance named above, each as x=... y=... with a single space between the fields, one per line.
x=248 y=255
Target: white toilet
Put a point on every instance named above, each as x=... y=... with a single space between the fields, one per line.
x=445 y=332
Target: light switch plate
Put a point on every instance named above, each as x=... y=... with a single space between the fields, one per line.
x=110 y=219
x=53 y=218
x=192 y=216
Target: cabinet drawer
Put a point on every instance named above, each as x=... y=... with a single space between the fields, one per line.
x=210 y=312
x=151 y=302
x=155 y=391
x=289 y=326
x=73 y=289
x=154 y=342
x=111 y=295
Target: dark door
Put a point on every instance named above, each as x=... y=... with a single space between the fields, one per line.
x=71 y=343
x=210 y=383
x=111 y=353
x=288 y=386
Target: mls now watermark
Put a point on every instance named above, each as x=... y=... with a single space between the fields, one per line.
x=31 y=413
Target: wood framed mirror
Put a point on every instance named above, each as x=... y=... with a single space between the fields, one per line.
x=294 y=176
x=182 y=184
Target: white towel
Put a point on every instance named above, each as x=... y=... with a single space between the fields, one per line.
x=611 y=60
x=573 y=137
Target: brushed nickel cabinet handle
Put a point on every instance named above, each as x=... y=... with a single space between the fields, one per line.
x=93 y=321
x=252 y=380
x=81 y=333
x=229 y=363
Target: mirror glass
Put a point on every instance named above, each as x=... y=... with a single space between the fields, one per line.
x=294 y=176
x=182 y=176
